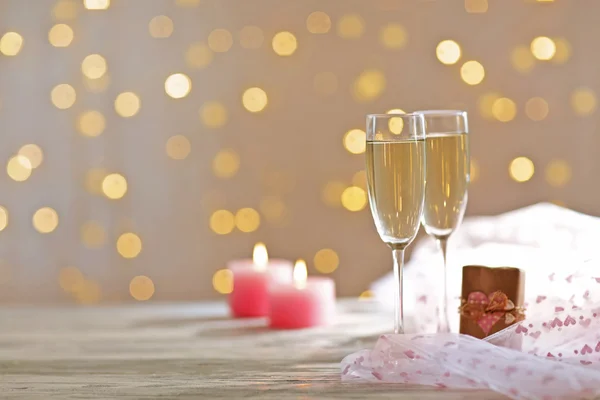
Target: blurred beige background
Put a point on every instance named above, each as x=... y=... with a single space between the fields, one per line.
x=139 y=186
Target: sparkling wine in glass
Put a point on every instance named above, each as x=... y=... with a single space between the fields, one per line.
x=395 y=158
x=447 y=144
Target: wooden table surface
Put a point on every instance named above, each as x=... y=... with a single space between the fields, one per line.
x=187 y=351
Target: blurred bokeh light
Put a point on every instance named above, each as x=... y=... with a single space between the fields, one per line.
x=521 y=169
x=129 y=245
x=145 y=136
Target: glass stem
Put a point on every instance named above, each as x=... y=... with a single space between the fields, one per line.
x=398 y=255
x=443 y=321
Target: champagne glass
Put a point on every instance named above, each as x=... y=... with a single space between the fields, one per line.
x=447 y=144
x=395 y=158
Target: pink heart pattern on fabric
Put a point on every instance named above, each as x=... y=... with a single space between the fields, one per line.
x=570 y=320
x=585 y=322
x=586 y=349
x=521 y=329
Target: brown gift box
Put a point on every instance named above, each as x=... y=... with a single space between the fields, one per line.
x=510 y=281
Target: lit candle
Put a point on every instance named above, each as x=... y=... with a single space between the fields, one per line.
x=251 y=281
x=303 y=303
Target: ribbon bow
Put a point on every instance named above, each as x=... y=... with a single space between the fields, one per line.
x=487 y=310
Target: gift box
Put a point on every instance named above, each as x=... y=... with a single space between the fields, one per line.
x=491 y=300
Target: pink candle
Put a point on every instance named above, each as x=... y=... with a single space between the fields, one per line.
x=251 y=282
x=304 y=303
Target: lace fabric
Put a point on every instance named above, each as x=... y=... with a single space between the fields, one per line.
x=553 y=354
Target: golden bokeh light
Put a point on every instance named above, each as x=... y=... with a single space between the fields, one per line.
x=60 y=35
x=3 y=218
x=63 y=96
x=213 y=114
x=332 y=193
x=521 y=59
x=65 y=10
x=11 y=43
x=222 y=222
x=393 y=36
x=558 y=173
x=198 y=55
x=178 y=85
x=33 y=153
x=474 y=170
x=91 y=123
x=486 y=103
x=354 y=198
x=273 y=209
x=88 y=293
x=114 y=186
x=543 y=48
x=360 y=179
x=476 y=6
x=504 y=109
x=472 y=72
x=350 y=26
x=93 y=180
x=127 y=104
x=188 y=3
x=318 y=22
x=251 y=37
x=521 y=169
x=396 y=125
x=366 y=295
x=536 y=108
x=448 y=52
x=326 y=261
x=94 y=66
x=220 y=40
x=563 y=51
x=70 y=279
x=222 y=281
x=396 y=111
x=160 y=27
x=355 y=141
x=129 y=245
x=96 y=4
x=254 y=99
x=45 y=220
x=284 y=43
x=226 y=164
x=178 y=147
x=247 y=220
x=93 y=235
x=583 y=101
x=369 y=85
x=141 y=288
x=325 y=83
x=19 y=168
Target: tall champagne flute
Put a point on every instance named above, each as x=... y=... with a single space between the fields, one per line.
x=447 y=144
x=395 y=158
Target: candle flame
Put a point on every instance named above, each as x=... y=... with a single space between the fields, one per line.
x=300 y=273
x=260 y=257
